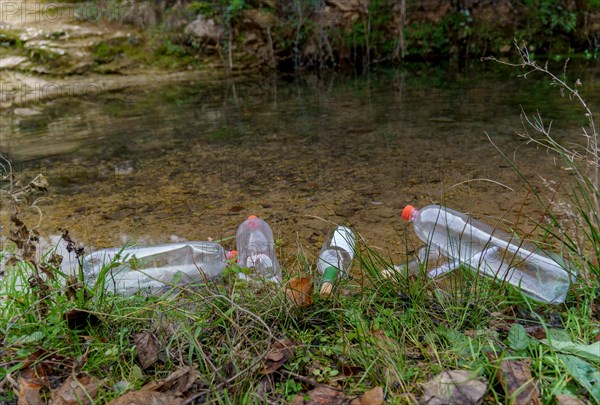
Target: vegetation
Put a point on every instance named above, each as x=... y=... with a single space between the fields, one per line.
x=319 y=34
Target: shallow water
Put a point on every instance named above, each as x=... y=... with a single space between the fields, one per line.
x=192 y=159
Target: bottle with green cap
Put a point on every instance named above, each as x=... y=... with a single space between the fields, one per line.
x=336 y=257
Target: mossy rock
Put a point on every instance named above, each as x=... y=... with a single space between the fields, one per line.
x=10 y=39
x=106 y=51
x=48 y=56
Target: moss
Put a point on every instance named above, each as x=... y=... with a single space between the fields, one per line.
x=107 y=51
x=47 y=56
x=10 y=39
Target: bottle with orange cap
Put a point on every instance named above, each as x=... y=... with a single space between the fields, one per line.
x=256 y=250
x=490 y=252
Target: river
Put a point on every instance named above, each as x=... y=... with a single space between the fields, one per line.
x=191 y=159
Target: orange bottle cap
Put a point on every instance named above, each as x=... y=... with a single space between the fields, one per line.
x=252 y=216
x=407 y=212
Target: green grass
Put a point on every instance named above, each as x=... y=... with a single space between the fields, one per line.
x=396 y=334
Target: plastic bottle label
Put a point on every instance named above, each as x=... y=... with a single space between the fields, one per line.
x=343 y=239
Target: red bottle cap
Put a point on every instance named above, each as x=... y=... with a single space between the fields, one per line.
x=407 y=212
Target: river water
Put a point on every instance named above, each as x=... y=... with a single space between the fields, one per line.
x=191 y=159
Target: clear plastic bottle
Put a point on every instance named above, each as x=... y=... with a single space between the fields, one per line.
x=256 y=250
x=154 y=268
x=335 y=257
x=426 y=258
x=491 y=252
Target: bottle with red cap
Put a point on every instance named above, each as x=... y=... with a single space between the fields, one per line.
x=490 y=252
x=256 y=250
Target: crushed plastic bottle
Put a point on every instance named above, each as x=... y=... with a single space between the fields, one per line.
x=256 y=250
x=154 y=268
x=335 y=258
x=491 y=252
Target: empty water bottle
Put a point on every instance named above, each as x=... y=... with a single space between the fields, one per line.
x=154 y=268
x=256 y=250
x=490 y=252
x=426 y=258
x=335 y=257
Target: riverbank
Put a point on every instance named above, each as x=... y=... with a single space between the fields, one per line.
x=49 y=49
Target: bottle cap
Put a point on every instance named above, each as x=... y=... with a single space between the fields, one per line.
x=251 y=217
x=329 y=276
x=326 y=289
x=407 y=212
x=231 y=254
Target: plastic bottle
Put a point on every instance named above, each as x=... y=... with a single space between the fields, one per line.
x=426 y=258
x=491 y=252
x=154 y=268
x=256 y=250
x=335 y=257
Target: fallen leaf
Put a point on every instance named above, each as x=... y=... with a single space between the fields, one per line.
x=372 y=397
x=321 y=396
x=178 y=382
x=280 y=352
x=74 y=391
x=148 y=347
x=299 y=290
x=454 y=387
x=147 y=398
x=564 y=399
x=536 y=331
x=29 y=391
x=518 y=383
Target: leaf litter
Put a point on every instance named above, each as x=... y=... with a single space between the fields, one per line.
x=518 y=383
x=148 y=348
x=454 y=387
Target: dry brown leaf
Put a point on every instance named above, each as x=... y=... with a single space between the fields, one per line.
x=564 y=399
x=372 y=397
x=321 y=396
x=74 y=391
x=178 y=382
x=148 y=347
x=536 y=331
x=454 y=387
x=514 y=375
x=147 y=398
x=299 y=290
x=29 y=391
x=280 y=352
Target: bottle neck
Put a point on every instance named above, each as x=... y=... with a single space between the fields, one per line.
x=329 y=275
